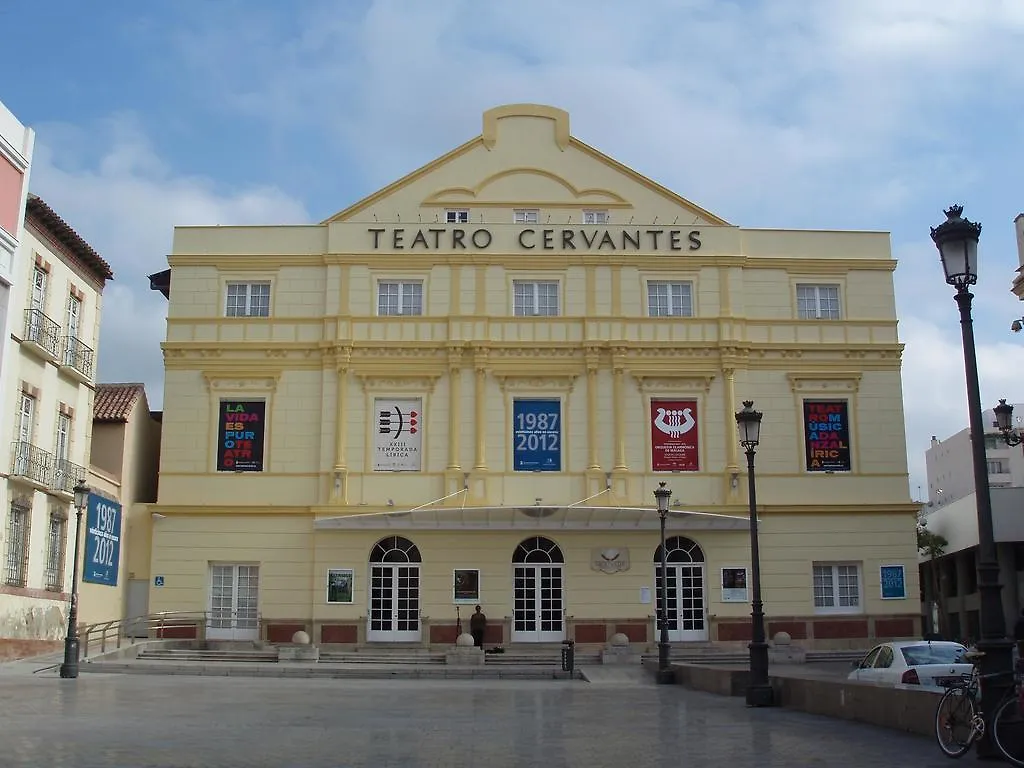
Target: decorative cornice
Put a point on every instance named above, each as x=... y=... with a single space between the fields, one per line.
x=242 y=380
x=824 y=381
x=662 y=381
x=416 y=382
x=515 y=382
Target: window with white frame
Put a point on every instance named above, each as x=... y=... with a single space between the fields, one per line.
x=457 y=216
x=526 y=216
x=248 y=300
x=669 y=299
x=595 y=217
x=55 y=549
x=26 y=417
x=16 y=558
x=535 y=298
x=836 y=587
x=998 y=466
x=63 y=441
x=817 y=302
x=74 y=316
x=38 y=297
x=400 y=298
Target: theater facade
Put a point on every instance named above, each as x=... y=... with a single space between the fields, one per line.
x=464 y=389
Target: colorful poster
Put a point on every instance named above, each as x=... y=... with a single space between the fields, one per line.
x=399 y=437
x=240 y=439
x=537 y=435
x=827 y=435
x=674 y=436
x=734 y=585
x=102 y=541
x=339 y=585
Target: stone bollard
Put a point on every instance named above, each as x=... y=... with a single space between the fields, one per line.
x=464 y=654
x=618 y=651
x=299 y=649
x=782 y=650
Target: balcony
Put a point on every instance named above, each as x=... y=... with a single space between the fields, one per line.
x=31 y=465
x=77 y=359
x=42 y=335
x=65 y=476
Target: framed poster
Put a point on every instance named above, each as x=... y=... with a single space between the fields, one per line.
x=240 y=436
x=827 y=435
x=894 y=582
x=102 y=541
x=674 y=436
x=537 y=435
x=734 y=585
x=466 y=585
x=398 y=440
x=339 y=585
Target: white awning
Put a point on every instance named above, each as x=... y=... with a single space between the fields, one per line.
x=535 y=518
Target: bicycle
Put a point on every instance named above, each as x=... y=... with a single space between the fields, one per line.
x=959 y=721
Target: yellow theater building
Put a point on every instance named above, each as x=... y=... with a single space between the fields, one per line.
x=465 y=388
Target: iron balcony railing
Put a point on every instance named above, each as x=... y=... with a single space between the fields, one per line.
x=78 y=356
x=32 y=463
x=41 y=330
x=65 y=475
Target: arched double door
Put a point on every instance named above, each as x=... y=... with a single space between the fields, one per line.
x=394 y=591
x=684 y=589
x=538 y=592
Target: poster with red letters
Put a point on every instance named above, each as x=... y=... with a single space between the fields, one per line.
x=674 y=436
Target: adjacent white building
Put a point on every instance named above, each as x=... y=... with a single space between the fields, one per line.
x=46 y=399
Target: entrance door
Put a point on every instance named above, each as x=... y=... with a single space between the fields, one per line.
x=538 y=595
x=234 y=602
x=684 y=593
x=137 y=606
x=394 y=592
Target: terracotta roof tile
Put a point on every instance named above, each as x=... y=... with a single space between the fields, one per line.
x=114 y=402
x=62 y=231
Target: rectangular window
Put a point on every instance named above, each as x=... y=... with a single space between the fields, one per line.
x=38 y=299
x=526 y=216
x=16 y=561
x=535 y=298
x=817 y=302
x=998 y=467
x=26 y=418
x=457 y=216
x=63 y=436
x=595 y=217
x=248 y=300
x=836 y=588
x=74 y=316
x=55 y=547
x=666 y=299
x=400 y=298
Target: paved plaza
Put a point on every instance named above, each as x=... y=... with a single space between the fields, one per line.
x=143 y=721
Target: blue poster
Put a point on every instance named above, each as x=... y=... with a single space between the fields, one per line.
x=894 y=585
x=102 y=541
x=537 y=435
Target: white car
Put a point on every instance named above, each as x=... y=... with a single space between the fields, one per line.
x=931 y=663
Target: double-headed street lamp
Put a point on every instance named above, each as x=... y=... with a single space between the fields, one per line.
x=957 y=241
x=70 y=666
x=1004 y=421
x=759 y=689
x=662 y=495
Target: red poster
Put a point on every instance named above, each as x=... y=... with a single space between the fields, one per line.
x=674 y=435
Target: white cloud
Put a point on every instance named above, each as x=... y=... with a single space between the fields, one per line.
x=125 y=202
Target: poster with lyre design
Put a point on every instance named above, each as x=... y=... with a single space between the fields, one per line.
x=674 y=436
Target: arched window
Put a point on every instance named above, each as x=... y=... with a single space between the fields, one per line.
x=395 y=549
x=680 y=550
x=537 y=549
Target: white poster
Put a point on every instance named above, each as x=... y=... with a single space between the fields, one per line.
x=399 y=435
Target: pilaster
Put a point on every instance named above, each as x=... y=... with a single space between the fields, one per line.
x=339 y=484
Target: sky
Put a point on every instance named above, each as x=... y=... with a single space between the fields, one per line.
x=871 y=115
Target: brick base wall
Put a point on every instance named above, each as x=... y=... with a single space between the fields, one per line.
x=11 y=649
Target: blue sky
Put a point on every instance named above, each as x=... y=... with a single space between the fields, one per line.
x=824 y=115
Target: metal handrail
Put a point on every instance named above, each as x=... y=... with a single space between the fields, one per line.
x=114 y=632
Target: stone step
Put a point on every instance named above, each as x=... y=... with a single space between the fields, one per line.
x=334 y=672
x=176 y=654
x=368 y=658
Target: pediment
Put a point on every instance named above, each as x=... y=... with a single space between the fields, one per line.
x=509 y=187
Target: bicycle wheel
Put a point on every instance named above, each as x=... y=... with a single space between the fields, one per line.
x=954 y=722
x=1008 y=730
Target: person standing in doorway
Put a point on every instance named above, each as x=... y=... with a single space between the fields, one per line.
x=477 y=626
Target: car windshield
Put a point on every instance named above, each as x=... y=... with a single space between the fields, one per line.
x=934 y=654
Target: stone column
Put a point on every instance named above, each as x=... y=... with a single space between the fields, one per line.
x=732 y=469
x=339 y=481
x=454 y=407
x=619 y=407
x=480 y=369
x=593 y=431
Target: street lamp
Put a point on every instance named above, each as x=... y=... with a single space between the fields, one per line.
x=957 y=241
x=663 y=494
x=1004 y=421
x=759 y=690
x=70 y=666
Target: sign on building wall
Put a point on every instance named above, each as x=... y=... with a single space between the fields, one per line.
x=240 y=439
x=827 y=435
x=674 y=435
x=537 y=435
x=894 y=582
x=398 y=439
x=102 y=541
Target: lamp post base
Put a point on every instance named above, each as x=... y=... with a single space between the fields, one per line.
x=760 y=696
x=665 y=677
x=998 y=658
x=69 y=669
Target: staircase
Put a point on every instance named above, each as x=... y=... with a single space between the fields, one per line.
x=209 y=654
x=406 y=656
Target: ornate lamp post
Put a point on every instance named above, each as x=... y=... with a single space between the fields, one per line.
x=663 y=494
x=957 y=241
x=1004 y=421
x=759 y=690
x=70 y=666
